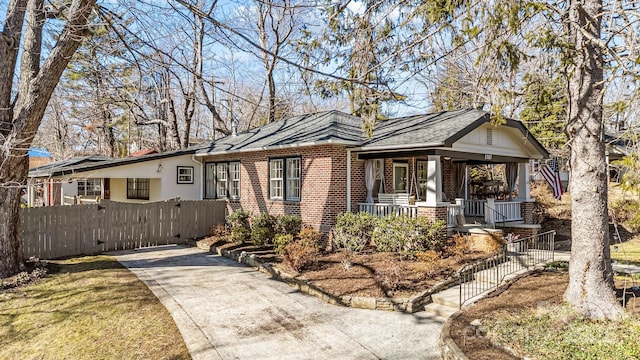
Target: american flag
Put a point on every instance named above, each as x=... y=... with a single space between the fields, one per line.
x=550 y=173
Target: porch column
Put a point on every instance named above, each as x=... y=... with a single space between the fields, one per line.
x=434 y=180
x=524 y=189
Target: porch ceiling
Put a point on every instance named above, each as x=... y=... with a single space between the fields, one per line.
x=455 y=155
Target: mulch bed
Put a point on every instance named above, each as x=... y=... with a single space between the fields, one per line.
x=370 y=274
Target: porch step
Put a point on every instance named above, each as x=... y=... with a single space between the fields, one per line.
x=441 y=311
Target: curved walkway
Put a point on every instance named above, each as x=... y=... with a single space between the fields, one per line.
x=225 y=310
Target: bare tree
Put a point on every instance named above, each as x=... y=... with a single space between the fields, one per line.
x=20 y=115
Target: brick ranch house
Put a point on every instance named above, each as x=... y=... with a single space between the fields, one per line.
x=320 y=165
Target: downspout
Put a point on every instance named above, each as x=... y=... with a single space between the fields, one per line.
x=201 y=165
x=348 y=180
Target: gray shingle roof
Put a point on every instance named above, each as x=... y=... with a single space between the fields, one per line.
x=324 y=127
x=339 y=128
x=46 y=170
x=101 y=162
x=441 y=128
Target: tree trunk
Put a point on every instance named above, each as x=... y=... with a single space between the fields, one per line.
x=25 y=120
x=10 y=251
x=590 y=287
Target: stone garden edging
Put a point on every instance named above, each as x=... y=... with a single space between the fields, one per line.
x=408 y=305
x=449 y=350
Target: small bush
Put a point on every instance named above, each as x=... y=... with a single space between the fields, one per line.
x=458 y=246
x=300 y=254
x=389 y=276
x=288 y=224
x=406 y=235
x=310 y=234
x=353 y=231
x=281 y=241
x=220 y=232
x=238 y=221
x=626 y=212
x=263 y=229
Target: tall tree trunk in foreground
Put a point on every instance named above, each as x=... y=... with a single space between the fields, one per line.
x=590 y=276
x=20 y=119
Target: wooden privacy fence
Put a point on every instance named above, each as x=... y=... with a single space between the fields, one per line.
x=61 y=231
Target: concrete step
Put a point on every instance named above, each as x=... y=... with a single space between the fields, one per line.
x=439 y=310
x=449 y=297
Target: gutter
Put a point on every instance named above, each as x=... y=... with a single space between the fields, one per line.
x=396 y=147
x=278 y=147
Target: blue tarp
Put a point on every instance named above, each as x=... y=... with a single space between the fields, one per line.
x=39 y=152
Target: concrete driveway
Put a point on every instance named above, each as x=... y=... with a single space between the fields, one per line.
x=226 y=310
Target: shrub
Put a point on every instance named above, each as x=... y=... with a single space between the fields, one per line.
x=458 y=245
x=238 y=221
x=310 y=234
x=281 y=241
x=406 y=235
x=219 y=232
x=288 y=224
x=263 y=229
x=389 y=275
x=353 y=231
x=299 y=254
x=627 y=212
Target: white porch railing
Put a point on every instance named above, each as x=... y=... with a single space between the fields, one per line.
x=508 y=211
x=499 y=212
x=504 y=211
x=474 y=208
x=381 y=210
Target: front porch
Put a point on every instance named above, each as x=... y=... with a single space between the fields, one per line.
x=454 y=181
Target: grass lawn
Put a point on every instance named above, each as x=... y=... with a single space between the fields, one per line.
x=92 y=308
x=627 y=251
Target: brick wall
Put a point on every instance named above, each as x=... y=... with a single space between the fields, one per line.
x=358 y=186
x=526 y=210
x=448 y=180
x=434 y=213
x=323 y=184
x=522 y=232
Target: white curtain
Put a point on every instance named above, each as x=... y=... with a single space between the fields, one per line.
x=369 y=179
x=511 y=173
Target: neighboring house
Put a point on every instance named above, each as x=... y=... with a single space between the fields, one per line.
x=320 y=165
x=616 y=148
x=151 y=177
x=44 y=190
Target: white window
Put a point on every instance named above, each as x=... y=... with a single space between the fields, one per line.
x=221 y=180
x=275 y=179
x=90 y=187
x=210 y=181
x=234 y=180
x=293 y=179
x=185 y=175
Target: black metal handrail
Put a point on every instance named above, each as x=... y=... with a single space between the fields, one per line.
x=486 y=275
